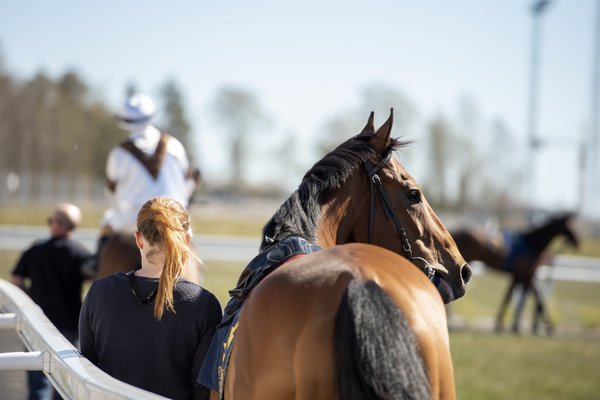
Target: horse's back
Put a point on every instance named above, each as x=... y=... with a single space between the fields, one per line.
x=119 y=254
x=478 y=245
x=284 y=346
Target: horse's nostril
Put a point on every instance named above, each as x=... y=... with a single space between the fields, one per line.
x=465 y=273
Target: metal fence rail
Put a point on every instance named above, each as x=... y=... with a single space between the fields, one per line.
x=73 y=376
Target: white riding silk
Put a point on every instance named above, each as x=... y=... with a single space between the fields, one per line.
x=135 y=185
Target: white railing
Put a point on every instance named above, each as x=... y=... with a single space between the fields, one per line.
x=73 y=375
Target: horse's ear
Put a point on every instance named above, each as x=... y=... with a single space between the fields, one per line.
x=381 y=138
x=369 y=128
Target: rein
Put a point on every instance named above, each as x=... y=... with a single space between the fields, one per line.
x=376 y=184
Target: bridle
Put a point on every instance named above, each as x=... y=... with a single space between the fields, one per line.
x=376 y=184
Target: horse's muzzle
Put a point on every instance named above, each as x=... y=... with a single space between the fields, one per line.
x=445 y=288
x=466 y=273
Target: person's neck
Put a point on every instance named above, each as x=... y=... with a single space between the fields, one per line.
x=149 y=270
x=61 y=235
x=144 y=132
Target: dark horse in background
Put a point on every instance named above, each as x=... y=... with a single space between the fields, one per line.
x=520 y=256
x=363 y=317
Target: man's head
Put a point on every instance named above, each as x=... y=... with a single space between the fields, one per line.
x=137 y=113
x=65 y=219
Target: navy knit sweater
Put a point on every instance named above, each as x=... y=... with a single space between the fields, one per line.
x=123 y=338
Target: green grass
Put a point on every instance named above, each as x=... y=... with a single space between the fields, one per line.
x=489 y=367
x=569 y=303
x=222 y=277
x=7 y=262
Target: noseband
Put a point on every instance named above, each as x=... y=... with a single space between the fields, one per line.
x=375 y=184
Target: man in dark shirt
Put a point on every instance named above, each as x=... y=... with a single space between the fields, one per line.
x=51 y=273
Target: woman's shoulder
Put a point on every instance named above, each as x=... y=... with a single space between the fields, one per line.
x=108 y=281
x=198 y=302
x=184 y=286
x=104 y=289
x=193 y=292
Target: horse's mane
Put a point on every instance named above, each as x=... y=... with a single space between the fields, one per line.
x=551 y=224
x=299 y=214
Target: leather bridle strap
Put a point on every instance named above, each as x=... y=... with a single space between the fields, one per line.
x=375 y=183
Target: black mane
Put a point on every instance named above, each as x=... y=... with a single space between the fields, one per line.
x=299 y=214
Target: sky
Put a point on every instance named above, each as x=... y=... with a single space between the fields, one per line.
x=308 y=60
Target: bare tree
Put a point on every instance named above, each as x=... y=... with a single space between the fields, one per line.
x=174 y=116
x=440 y=137
x=375 y=97
x=467 y=146
x=240 y=113
x=50 y=134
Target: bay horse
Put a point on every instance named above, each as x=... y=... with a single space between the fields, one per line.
x=364 y=317
x=519 y=256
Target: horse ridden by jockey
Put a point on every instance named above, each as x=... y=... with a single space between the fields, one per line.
x=149 y=164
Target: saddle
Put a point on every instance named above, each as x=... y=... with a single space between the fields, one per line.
x=517 y=249
x=213 y=370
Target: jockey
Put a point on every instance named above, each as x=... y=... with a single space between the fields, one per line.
x=148 y=164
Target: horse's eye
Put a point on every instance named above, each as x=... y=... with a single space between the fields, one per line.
x=414 y=196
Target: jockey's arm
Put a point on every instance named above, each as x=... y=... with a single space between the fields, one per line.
x=189 y=172
x=111 y=172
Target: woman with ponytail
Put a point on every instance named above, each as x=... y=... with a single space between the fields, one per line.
x=150 y=327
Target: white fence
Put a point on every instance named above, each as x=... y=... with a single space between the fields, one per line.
x=73 y=376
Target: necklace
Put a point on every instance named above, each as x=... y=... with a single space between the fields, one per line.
x=136 y=292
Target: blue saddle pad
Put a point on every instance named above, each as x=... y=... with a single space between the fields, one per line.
x=517 y=248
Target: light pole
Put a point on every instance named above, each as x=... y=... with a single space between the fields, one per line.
x=534 y=142
x=589 y=162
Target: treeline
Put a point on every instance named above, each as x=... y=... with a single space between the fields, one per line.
x=55 y=135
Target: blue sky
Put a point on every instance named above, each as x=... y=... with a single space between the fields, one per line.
x=308 y=60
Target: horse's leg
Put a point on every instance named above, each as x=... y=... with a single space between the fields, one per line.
x=503 y=306
x=541 y=312
x=519 y=308
x=538 y=313
x=523 y=276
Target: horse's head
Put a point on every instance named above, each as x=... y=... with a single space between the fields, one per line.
x=380 y=203
x=564 y=226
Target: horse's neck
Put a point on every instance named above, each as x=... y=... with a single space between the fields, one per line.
x=293 y=218
x=539 y=239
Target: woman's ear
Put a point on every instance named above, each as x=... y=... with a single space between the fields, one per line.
x=138 y=240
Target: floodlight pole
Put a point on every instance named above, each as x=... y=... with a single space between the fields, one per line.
x=589 y=149
x=533 y=139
